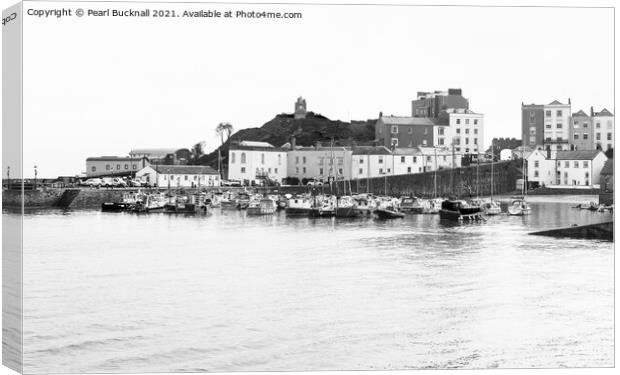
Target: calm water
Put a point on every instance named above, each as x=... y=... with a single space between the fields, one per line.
x=110 y=292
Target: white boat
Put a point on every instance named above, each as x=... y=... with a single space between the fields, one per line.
x=490 y=208
x=519 y=207
x=264 y=206
x=298 y=206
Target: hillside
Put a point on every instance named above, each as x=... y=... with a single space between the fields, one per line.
x=314 y=128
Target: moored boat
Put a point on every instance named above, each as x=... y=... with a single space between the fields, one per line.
x=519 y=207
x=459 y=210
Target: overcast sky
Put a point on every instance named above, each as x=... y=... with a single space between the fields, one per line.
x=101 y=86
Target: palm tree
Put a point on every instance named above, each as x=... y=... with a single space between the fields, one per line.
x=223 y=127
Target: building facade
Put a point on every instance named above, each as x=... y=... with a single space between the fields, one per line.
x=581 y=131
x=603 y=130
x=401 y=131
x=566 y=168
x=371 y=161
x=255 y=161
x=114 y=165
x=319 y=163
x=431 y=104
x=465 y=131
x=175 y=176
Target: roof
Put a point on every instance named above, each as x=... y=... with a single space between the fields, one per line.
x=420 y=150
x=371 y=150
x=555 y=102
x=255 y=144
x=608 y=168
x=577 y=155
x=604 y=113
x=402 y=120
x=183 y=169
x=580 y=114
x=112 y=158
x=255 y=148
x=154 y=152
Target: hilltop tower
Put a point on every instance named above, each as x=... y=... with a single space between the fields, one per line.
x=300 y=108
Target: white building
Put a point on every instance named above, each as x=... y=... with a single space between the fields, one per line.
x=579 y=168
x=255 y=161
x=319 y=163
x=557 y=120
x=114 y=165
x=603 y=130
x=424 y=159
x=540 y=168
x=371 y=161
x=193 y=176
x=465 y=130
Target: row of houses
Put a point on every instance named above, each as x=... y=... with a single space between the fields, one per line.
x=580 y=168
x=248 y=161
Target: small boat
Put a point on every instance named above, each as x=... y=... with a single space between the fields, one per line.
x=490 y=208
x=592 y=206
x=150 y=203
x=128 y=200
x=459 y=210
x=298 y=206
x=387 y=212
x=519 y=207
x=347 y=207
x=265 y=206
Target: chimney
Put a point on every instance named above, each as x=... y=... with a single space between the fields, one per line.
x=548 y=152
x=568 y=100
x=380 y=114
x=591 y=111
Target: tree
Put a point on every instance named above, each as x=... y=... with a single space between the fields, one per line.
x=197 y=152
x=224 y=128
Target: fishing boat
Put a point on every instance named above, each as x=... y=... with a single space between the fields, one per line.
x=298 y=206
x=490 y=208
x=347 y=207
x=459 y=210
x=388 y=212
x=128 y=200
x=264 y=206
x=519 y=207
x=364 y=204
x=192 y=204
x=407 y=204
x=150 y=203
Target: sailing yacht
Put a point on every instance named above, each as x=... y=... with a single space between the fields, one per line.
x=519 y=206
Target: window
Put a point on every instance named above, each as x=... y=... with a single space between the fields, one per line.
x=458 y=121
x=415 y=159
x=547 y=126
x=466 y=131
x=242 y=169
x=466 y=141
x=269 y=170
x=440 y=142
x=279 y=159
x=475 y=141
x=532 y=114
x=458 y=131
x=402 y=159
x=243 y=159
x=576 y=164
x=532 y=139
x=297 y=170
x=126 y=166
x=445 y=158
x=558 y=113
x=558 y=125
x=361 y=171
x=395 y=142
x=585 y=125
x=361 y=161
x=585 y=136
x=408 y=169
x=475 y=131
x=585 y=164
x=388 y=170
x=598 y=125
x=466 y=121
x=428 y=158
x=262 y=158
x=303 y=160
x=321 y=171
x=440 y=131
x=535 y=173
x=93 y=169
x=566 y=164
x=186 y=177
x=547 y=113
x=118 y=167
x=275 y=170
x=536 y=164
x=380 y=170
x=576 y=125
x=609 y=136
x=394 y=129
x=340 y=161
x=548 y=139
x=381 y=160
x=457 y=141
x=135 y=167
x=340 y=171
x=576 y=137
x=598 y=136
x=475 y=121
x=410 y=130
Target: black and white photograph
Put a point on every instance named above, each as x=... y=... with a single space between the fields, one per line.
x=251 y=187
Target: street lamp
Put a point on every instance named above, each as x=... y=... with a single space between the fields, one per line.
x=35 y=177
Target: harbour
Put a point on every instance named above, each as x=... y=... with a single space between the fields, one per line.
x=417 y=292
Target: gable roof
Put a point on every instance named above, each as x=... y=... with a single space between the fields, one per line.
x=183 y=169
x=154 y=152
x=577 y=155
x=402 y=120
x=603 y=113
x=608 y=168
x=555 y=102
x=580 y=114
x=371 y=150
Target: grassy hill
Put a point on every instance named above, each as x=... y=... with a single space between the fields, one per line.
x=307 y=132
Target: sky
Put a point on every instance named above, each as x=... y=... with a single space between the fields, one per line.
x=98 y=86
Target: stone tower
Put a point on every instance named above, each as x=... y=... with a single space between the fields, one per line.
x=300 y=108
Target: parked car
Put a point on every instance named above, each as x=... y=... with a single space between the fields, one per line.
x=119 y=182
x=94 y=182
x=134 y=183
